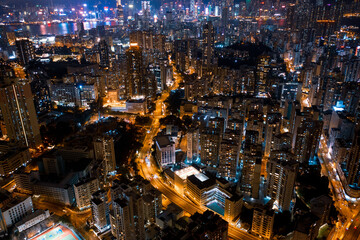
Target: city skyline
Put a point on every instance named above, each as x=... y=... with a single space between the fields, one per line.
x=189 y=119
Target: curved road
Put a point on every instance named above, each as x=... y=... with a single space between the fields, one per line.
x=149 y=170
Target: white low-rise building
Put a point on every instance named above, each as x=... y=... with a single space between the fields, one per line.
x=165 y=151
x=180 y=177
x=32 y=219
x=136 y=106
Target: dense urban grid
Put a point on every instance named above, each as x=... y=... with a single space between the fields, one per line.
x=187 y=119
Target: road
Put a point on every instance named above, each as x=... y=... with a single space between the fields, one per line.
x=149 y=170
x=347 y=201
x=10 y=186
x=345 y=204
x=337 y=186
x=77 y=218
x=353 y=231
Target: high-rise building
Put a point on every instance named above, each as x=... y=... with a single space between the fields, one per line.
x=18 y=111
x=210 y=139
x=307 y=140
x=184 y=52
x=127 y=217
x=327 y=17
x=119 y=11
x=71 y=95
x=193 y=153
x=3 y=38
x=233 y=207
x=84 y=190
x=263 y=222
x=352 y=70
x=271 y=130
x=53 y=164
x=166 y=76
x=281 y=179
x=41 y=91
x=152 y=205
x=104 y=54
x=118 y=189
x=100 y=210
x=208 y=226
x=12 y=157
x=136 y=206
x=262 y=74
x=228 y=159
x=208 y=44
x=306 y=129
x=15 y=209
x=144 y=39
x=136 y=84
x=251 y=170
x=193 y=10
x=25 y=51
x=104 y=149
x=120 y=219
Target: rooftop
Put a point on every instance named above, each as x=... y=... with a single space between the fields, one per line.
x=201 y=181
x=13 y=202
x=185 y=172
x=121 y=202
x=201 y=177
x=163 y=141
x=141 y=100
x=97 y=201
x=31 y=216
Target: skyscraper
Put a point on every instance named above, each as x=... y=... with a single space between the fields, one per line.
x=119 y=11
x=251 y=170
x=83 y=191
x=25 y=51
x=327 y=17
x=281 y=179
x=129 y=214
x=210 y=139
x=193 y=9
x=135 y=81
x=105 y=150
x=3 y=37
x=228 y=159
x=251 y=165
x=263 y=222
x=18 y=111
x=100 y=210
x=307 y=139
x=120 y=219
x=193 y=145
x=104 y=54
x=272 y=128
x=263 y=68
x=208 y=44
x=209 y=226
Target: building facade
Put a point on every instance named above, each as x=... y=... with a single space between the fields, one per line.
x=17 y=107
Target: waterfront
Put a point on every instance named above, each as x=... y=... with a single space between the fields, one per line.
x=55 y=28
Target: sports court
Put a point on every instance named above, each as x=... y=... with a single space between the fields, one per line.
x=58 y=232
